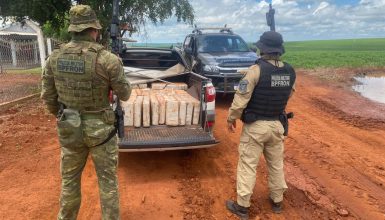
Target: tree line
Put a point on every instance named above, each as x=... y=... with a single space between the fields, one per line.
x=52 y=15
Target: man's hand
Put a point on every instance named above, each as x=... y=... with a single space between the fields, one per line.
x=231 y=126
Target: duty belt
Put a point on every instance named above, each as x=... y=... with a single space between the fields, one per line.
x=91 y=115
x=264 y=118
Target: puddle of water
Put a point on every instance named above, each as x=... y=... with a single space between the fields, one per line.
x=371 y=87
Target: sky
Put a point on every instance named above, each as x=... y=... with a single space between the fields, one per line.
x=296 y=20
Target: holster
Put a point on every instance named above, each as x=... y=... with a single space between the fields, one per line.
x=61 y=110
x=284 y=119
x=70 y=128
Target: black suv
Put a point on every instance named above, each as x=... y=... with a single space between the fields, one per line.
x=218 y=55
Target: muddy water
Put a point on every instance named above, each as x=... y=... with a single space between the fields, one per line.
x=371 y=87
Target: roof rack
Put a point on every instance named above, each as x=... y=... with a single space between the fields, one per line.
x=221 y=29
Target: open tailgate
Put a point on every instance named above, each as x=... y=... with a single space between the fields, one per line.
x=166 y=138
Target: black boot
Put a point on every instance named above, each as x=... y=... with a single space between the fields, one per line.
x=240 y=211
x=276 y=206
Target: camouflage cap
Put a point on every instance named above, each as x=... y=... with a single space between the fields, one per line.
x=83 y=17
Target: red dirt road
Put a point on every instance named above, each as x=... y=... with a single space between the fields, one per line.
x=334 y=165
x=14 y=86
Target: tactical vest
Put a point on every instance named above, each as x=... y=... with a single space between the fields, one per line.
x=73 y=66
x=272 y=91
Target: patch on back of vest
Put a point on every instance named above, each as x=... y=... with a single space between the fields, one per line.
x=280 y=80
x=71 y=66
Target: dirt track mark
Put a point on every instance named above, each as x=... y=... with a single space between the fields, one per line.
x=354 y=120
x=197 y=201
x=330 y=145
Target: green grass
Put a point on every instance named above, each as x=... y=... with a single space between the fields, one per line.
x=327 y=53
x=153 y=45
x=36 y=70
x=336 y=53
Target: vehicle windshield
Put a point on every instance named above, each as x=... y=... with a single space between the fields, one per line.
x=221 y=43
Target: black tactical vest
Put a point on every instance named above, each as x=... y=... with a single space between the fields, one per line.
x=271 y=94
x=74 y=71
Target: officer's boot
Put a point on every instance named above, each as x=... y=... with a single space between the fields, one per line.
x=240 y=211
x=276 y=206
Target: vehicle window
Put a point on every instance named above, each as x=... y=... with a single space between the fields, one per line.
x=187 y=42
x=230 y=42
x=208 y=44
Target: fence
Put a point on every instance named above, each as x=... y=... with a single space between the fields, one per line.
x=19 y=54
x=52 y=44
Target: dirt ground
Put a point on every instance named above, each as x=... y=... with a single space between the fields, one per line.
x=13 y=86
x=334 y=163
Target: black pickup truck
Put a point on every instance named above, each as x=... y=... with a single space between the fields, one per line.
x=219 y=56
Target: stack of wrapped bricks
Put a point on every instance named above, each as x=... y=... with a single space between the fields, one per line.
x=163 y=104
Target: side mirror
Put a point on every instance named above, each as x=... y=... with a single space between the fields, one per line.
x=188 y=50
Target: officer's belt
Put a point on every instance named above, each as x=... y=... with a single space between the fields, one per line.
x=86 y=116
x=264 y=118
x=92 y=114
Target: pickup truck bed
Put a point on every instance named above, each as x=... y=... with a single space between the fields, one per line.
x=142 y=68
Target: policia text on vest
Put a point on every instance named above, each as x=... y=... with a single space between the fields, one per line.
x=71 y=66
x=280 y=81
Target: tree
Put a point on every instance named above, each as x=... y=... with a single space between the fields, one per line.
x=53 y=14
x=38 y=10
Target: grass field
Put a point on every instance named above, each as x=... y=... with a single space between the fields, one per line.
x=156 y=45
x=311 y=54
x=327 y=53
x=336 y=53
x=36 y=70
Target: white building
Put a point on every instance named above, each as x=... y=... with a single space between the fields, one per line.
x=21 y=45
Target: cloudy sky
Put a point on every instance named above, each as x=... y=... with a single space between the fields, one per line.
x=295 y=19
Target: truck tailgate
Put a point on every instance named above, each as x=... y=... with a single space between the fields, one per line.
x=166 y=138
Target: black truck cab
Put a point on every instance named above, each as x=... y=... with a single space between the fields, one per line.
x=219 y=56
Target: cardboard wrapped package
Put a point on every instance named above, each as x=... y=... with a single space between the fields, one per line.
x=172 y=107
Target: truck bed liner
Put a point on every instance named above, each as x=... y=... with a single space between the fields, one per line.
x=166 y=137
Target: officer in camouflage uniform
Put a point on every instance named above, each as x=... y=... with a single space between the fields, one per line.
x=260 y=100
x=77 y=79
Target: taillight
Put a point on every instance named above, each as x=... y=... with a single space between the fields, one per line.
x=210 y=124
x=210 y=93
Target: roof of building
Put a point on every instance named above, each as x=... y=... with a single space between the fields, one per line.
x=18 y=28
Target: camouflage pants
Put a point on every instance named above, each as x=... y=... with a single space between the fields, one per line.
x=260 y=137
x=78 y=137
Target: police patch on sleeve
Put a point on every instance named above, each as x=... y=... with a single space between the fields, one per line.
x=242 y=88
x=280 y=80
x=70 y=66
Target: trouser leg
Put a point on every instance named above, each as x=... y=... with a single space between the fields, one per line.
x=73 y=161
x=249 y=153
x=105 y=158
x=273 y=153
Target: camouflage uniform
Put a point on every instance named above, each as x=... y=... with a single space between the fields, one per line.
x=80 y=75
x=262 y=136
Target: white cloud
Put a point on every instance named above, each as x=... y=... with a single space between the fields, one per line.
x=321 y=6
x=295 y=19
